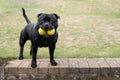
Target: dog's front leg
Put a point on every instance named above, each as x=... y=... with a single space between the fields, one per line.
x=51 y=52
x=34 y=53
x=31 y=50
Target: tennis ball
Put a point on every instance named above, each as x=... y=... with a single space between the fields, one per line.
x=41 y=31
x=51 y=32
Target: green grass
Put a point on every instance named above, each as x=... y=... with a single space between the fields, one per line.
x=87 y=28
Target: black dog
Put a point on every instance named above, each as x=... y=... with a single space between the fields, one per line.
x=30 y=32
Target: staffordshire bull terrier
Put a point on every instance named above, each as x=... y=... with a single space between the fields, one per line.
x=30 y=32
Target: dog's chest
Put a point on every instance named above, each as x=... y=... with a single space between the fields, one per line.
x=44 y=42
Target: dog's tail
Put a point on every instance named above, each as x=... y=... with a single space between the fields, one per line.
x=25 y=16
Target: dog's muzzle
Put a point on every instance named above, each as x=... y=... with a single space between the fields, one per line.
x=46 y=26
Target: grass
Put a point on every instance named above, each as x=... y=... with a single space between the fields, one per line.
x=87 y=28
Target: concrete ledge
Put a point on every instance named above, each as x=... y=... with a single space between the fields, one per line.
x=67 y=69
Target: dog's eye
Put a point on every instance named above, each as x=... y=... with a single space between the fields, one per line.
x=41 y=22
x=53 y=21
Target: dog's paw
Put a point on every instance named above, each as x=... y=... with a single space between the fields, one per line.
x=33 y=65
x=53 y=62
x=21 y=58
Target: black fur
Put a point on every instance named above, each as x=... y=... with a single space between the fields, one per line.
x=30 y=32
x=25 y=16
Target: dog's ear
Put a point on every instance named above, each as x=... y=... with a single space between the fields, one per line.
x=39 y=15
x=58 y=17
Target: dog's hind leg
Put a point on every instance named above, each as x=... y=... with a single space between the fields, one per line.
x=21 y=43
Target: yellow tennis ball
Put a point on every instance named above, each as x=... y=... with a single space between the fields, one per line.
x=51 y=32
x=41 y=31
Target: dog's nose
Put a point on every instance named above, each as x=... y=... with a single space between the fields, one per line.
x=46 y=24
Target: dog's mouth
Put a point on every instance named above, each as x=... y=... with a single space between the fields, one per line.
x=46 y=36
x=46 y=33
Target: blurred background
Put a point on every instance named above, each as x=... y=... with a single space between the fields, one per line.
x=87 y=28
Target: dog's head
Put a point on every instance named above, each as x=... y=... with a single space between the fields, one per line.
x=47 y=21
